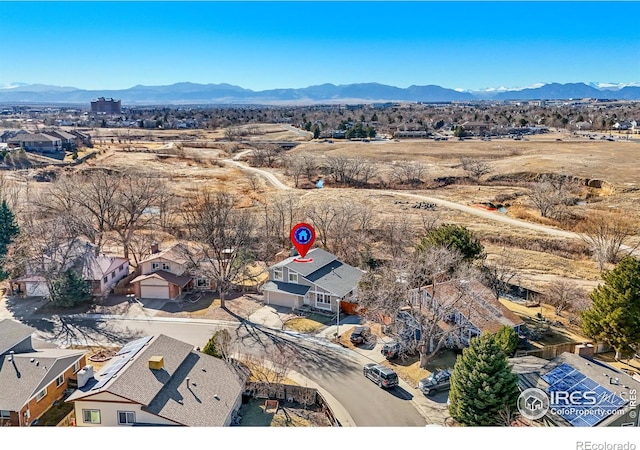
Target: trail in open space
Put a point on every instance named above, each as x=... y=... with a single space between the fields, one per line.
x=444 y=203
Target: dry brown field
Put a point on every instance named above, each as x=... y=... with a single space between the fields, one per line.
x=199 y=164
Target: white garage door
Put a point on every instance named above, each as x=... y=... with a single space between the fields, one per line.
x=154 y=291
x=36 y=289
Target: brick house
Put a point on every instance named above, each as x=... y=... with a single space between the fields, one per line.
x=32 y=379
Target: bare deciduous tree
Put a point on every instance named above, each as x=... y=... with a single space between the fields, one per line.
x=477 y=168
x=552 y=195
x=564 y=295
x=408 y=172
x=294 y=167
x=223 y=237
x=393 y=295
x=500 y=273
x=606 y=233
x=135 y=196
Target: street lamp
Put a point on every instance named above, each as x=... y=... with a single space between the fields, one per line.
x=338 y=319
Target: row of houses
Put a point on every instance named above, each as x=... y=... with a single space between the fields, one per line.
x=154 y=380
x=163 y=274
x=51 y=141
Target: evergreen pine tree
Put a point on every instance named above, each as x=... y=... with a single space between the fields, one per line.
x=453 y=236
x=507 y=338
x=8 y=231
x=614 y=316
x=69 y=289
x=483 y=386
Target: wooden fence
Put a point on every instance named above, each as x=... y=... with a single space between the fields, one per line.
x=300 y=394
x=69 y=420
x=123 y=287
x=549 y=351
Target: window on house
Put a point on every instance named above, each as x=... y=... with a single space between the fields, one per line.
x=76 y=367
x=277 y=274
x=113 y=275
x=121 y=268
x=91 y=415
x=323 y=301
x=202 y=282
x=40 y=395
x=155 y=266
x=293 y=277
x=126 y=417
x=5 y=414
x=166 y=266
x=60 y=380
x=105 y=279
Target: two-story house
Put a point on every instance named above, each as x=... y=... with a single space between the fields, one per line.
x=468 y=309
x=101 y=271
x=321 y=284
x=32 y=379
x=169 y=273
x=158 y=380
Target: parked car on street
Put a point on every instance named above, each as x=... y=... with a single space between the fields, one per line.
x=360 y=335
x=439 y=380
x=383 y=376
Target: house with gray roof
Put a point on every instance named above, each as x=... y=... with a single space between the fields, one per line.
x=101 y=271
x=32 y=379
x=38 y=142
x=158 y=380
x=321 y=284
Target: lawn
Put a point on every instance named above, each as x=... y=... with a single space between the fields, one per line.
x=303 y=325
x=560 y=329
x=254 y=415
x=411 y=372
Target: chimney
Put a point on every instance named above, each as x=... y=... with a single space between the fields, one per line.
x=585 y=350
x=156 y=362
x=154 y=248
x=85 y=375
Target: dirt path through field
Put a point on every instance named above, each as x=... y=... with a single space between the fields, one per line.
x=268 y=175
x=495 y=216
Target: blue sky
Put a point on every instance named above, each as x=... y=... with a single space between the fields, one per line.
x=265 y=45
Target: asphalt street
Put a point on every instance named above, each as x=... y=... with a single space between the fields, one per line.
x=330 y=366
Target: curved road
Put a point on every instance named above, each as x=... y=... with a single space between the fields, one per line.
x=333 y=368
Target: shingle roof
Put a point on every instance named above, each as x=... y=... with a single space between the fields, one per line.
x=195 y=404
x=176 y=253
x=21 y=379
x=477 y=303
x=165 y=392
x=39 y=137
x=336 y=277
x=287 y=288
x=13 y=332
x=320 y=259
x=178 y=280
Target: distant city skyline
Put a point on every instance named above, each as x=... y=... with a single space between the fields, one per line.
x=269 y=45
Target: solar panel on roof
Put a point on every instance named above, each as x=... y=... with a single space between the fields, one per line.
x=125 y=355
x=580 y=411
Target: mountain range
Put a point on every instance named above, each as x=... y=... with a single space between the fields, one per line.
x=193 y=93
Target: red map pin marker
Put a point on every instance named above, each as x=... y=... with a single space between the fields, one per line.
x=302 y=237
